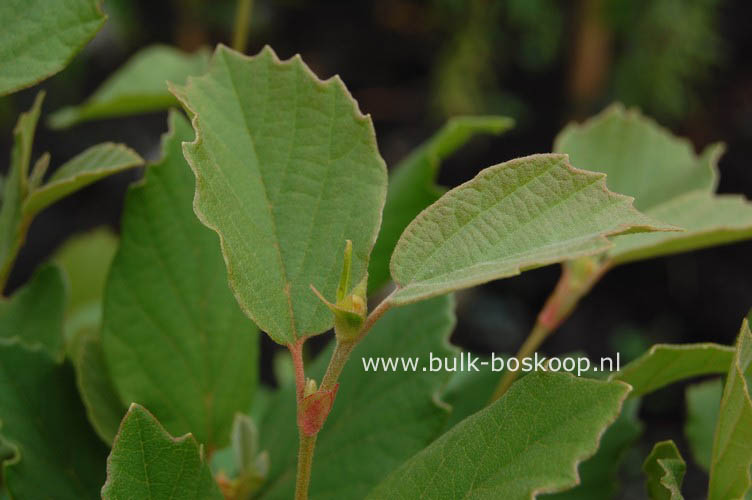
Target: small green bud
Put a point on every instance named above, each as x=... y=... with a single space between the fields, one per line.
x=351 y=308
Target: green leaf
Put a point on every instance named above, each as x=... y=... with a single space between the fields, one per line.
x=174 y=338
x=39 y=38
x=85 y=259
x=526 y=443
x=139 y=86
x=103 y=407
x=85 y=168
x=15 y=188
x=34 y=314
x=665 y=364
x=703 y=404
x=147 y=463
x=287 y=169
x=23 y=198
x=467 y=392
x=599 y=475
x=668 y=180
x=412 y=184
x=665 y=470
x=511 y=217
x=57 y=454
x=732 y=453
x=379 y=419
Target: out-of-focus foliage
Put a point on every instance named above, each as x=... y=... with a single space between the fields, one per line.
x=656 y=52
x=667 y=48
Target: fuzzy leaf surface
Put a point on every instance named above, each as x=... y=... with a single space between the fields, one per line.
x=514 y=216
x=139 y=86
x=665 y=469
x=412 y=184
x=732 y=453
x=599 y=474
x=669 y=181
x=57 y=454
x=146 y=462
x=520 y=446
x=379 y=419
x=173 y=336
x=665 y=364
x=39 y=38
x=703 y=404
x=287 y=169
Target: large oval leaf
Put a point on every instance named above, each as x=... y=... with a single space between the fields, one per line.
x=173 y=336
x=518 y=215
x=287 y=169
x=526 y=443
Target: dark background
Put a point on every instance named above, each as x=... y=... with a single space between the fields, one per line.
x=411 y=64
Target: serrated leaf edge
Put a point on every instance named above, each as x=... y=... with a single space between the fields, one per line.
x=179 y=92
x=602 y=238
x=135 y=407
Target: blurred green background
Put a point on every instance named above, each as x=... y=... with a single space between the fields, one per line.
x=413 y=63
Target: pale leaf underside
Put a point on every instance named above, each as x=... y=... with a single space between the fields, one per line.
x=518 y=215
x=287 y=170
x=669 y=181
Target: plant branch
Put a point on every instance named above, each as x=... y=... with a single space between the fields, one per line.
x=242 y=25
x=577 y=279
x=337 y=363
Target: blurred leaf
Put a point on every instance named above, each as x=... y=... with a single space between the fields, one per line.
x=378 y=420
x=518 y=447
x=539 y=27
x=173 y=336
x=139 y=86
x=57 y=454
x=146 y=462
x=103 y=407
x=599 y=474
x=511 y=217
x=289 y=159
x=412 y=185
x=703 y=404
x=668 y=180
x=85 y=259
x=39 y=38
x=681 y=44
x=732 y=453
x=34 y=314
x=665 y=470
x=15 y=188
x=85 y=168
x=665 y=364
